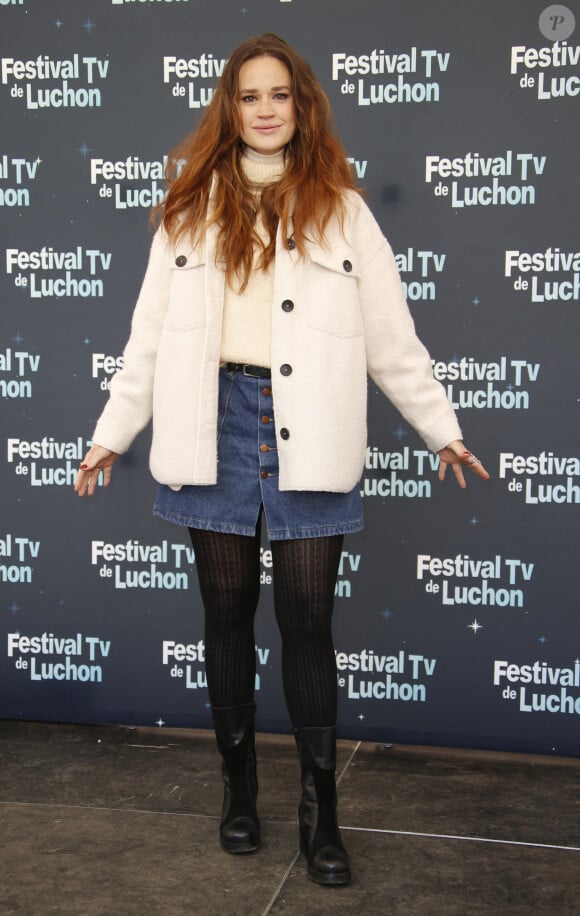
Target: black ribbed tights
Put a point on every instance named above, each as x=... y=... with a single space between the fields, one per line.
x=305 y=572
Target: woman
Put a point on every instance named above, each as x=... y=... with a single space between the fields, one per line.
x=270 y=293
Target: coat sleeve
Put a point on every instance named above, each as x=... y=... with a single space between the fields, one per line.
x=130 y=405
x=397 y=361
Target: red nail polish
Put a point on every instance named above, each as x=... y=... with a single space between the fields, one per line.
x=84 y=467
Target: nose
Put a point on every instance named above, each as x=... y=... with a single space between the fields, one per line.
x=265 y=109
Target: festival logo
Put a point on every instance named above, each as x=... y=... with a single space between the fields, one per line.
x=399 y=473
x=474 y=582
x=17 y=372
x=538 y=687
x=486 y=181
x=16 y=555
x=46 y=462
x=130 y=182
x=17 y=175
x=551 y=275
x=193 y=79
x=47 y=273
x=369 y=674
x=499 y=384
x=104 y=367
x=542 y=478
x=424 y=267
x=392 y=77
x=132 y=564
x=550 y=71
x=47 y=82
x=59 y=658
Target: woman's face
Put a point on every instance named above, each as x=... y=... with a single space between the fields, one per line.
x=265 y=105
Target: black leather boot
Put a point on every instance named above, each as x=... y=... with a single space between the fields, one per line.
x=320 y=838
x=235 y=731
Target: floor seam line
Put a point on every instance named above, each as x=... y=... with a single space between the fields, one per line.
x=280 y=887
x=21 y=804
x=348 y=762
x=467 y=839
x=288 y=872
x=378 y=830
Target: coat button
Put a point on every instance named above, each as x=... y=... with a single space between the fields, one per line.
x=266 y=392
x=181 y=261
x=347 y=266
x=264 y=474
x=287 y=305
x=290 y=244
x=264 y=448
x=284 y=433
x=286 y=369
x=265 y=419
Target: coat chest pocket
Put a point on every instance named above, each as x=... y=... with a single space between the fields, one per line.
x=186 y=307
x=333 y=292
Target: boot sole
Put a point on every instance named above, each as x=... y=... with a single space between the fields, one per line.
x=329 y=880
x=239 y=848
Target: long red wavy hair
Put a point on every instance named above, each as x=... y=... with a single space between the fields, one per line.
x=310 y=192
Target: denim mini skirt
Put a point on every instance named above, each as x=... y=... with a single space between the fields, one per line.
x=248 y=477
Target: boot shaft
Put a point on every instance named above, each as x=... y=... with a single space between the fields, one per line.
x=234 y=725
x=235 y=735
x=320 y=839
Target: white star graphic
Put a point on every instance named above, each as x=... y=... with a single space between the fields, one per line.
x=475 y=626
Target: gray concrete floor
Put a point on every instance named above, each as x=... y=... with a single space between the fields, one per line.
x=103 y=821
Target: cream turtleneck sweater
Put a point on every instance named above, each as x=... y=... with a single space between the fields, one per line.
x=247 y=316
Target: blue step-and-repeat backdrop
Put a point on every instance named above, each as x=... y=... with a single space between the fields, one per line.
x=456 y=612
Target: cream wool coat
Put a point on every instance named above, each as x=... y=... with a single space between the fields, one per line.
x=336 y=315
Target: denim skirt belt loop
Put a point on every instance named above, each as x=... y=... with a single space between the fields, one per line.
x=248 y=475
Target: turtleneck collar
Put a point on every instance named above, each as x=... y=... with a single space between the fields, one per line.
x=260 y=168
x=255 y=156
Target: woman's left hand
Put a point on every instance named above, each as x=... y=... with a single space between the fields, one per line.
x=457 y=455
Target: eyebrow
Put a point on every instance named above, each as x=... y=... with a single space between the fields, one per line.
x=273 y=89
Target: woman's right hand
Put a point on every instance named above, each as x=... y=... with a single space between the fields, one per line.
x=97 y=459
